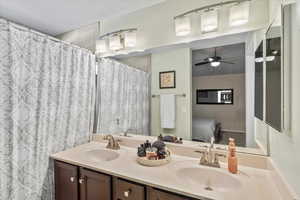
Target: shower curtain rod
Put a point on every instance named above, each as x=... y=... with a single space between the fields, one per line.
x=19 y=25
x=99 y=60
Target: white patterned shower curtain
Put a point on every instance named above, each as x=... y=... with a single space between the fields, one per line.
x=123 y=98
x=46 y=101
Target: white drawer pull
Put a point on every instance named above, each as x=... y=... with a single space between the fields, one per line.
x=127 y=193
x=81 y=180
x=72 y=179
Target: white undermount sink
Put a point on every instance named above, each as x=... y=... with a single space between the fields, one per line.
x=101 y=155
x=209 y=179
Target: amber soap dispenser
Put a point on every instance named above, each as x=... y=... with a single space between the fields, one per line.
x=232 y=159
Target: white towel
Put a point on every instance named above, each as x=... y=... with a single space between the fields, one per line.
x=167 y=110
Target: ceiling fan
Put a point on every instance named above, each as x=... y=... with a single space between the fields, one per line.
x=214 y=61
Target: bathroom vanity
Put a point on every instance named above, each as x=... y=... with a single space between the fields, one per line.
x=91 y=171
x=79 y=183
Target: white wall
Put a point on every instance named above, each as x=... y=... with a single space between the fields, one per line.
x=156 y=25
x=84 y=37
x=231 y=117
x=180 y=61
x=140 y=62
x=285 y=147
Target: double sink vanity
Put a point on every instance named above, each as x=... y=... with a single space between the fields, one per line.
x=92 y=172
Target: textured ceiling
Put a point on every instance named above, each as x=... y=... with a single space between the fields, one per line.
x=232 y=53
x=58 y=16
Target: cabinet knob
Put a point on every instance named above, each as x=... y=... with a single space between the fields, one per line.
x=72 y=179
x=81 y=180
x=127 y=193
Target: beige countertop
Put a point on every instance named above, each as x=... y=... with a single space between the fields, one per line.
x=255 y=184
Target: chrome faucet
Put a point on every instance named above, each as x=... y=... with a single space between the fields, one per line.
x=112 y=142
x=210 y=157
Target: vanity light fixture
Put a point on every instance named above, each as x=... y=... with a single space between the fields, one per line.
x=209 y=20
x=182 y=25
x=116 y=41
x=239 y=13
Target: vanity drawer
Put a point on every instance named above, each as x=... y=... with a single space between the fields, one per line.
x=156 y=194
x=125 y=190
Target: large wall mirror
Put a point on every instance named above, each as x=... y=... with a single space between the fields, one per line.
x=278 y=60
x=219 y=90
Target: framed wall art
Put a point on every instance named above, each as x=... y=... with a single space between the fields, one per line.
x=167 y=80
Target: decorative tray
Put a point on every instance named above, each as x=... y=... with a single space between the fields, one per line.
x=153 y=163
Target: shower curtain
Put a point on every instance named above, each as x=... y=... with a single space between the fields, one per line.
x=46 y=101
x=123 y=98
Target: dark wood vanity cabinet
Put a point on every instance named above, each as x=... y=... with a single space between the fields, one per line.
x=66 y=181
x=125 y=190
x=94 y=186
x=77 y=183
x=155 y=194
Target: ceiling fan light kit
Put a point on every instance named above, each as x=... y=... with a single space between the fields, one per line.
x=215 y=64
x=214 y=61
x=239 y=12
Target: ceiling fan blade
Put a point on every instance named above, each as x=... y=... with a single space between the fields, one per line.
x=202 y=63
x=227 y=62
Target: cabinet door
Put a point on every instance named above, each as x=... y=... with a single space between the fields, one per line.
x=66 y=184
x=125 y=190
x=154 y=194
x=94 y=186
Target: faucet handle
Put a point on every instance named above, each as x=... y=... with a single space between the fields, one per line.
x=216 y=160
x=212 y=142
x=204 y=159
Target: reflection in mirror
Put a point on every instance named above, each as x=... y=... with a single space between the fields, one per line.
x=273 y=75
x=215 y=96
x=222 y=85
x=259 y=82
x=219 y=113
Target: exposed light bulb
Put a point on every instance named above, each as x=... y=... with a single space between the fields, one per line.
x=215 y=64
x=239 y=14
x=209 y=20
x=182 y=26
